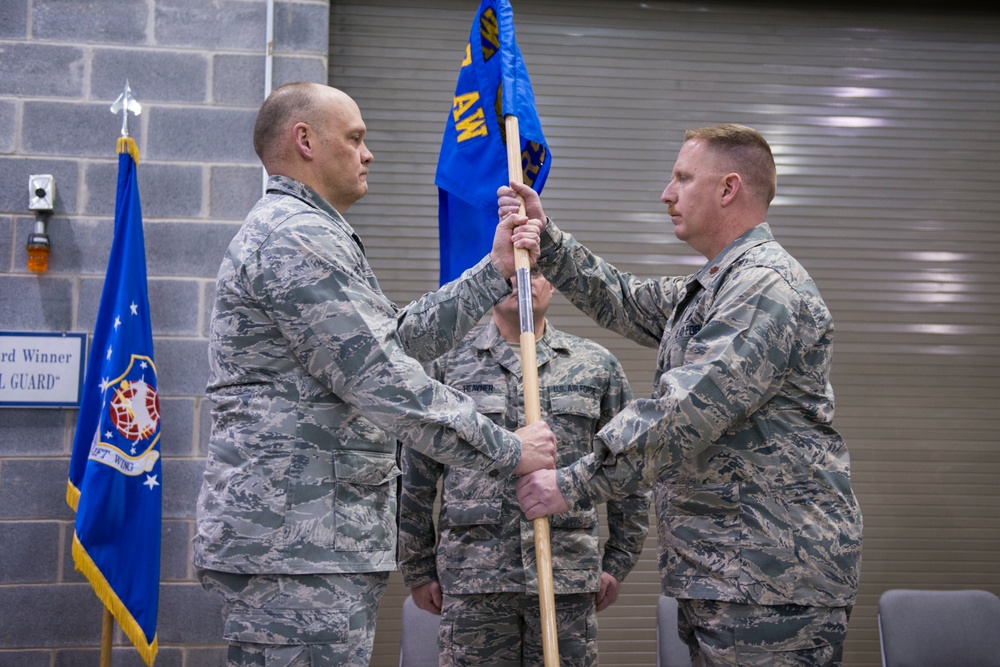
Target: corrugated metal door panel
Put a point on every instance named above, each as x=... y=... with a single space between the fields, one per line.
x=885 y=128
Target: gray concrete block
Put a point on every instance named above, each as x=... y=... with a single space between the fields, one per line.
x=15 y=172
x=90 y=302
x=153 y=76
x=189 y=614
x=184 y=249
x=79 y=245
x=13 y=21
x=6 y=244
x=36 y=303
x=207 y=657
x=30 y=552
x=165 y=190
x=38 y=658
x=302 y=27
x=79 y=656
x=115 y=22
x=95 y=130
x=41 y=70
x=34 y=489
x=37 y=432
x=8 y=125
x=175 y=557
x=170 y=190
x=123 y=654
x=173 y=306
x=238 y=79
x=234 y=191
x=223 y=24
x=177 y=426
x=181 y=366
x=301 y=68
x=202 y=134
x=50 y=616
x=181 y=483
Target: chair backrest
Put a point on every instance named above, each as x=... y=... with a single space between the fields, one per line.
x=418 y=644
x=671 y=649
x=939 y=628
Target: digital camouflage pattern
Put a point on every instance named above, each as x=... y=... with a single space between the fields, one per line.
x=752 y=482
x=314 y=620
x=736 y=635
x=486 y=545
x=505 y=630
x=314 y=379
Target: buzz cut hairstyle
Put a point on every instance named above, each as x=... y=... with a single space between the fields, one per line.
x=748 y=153
x=295 y=100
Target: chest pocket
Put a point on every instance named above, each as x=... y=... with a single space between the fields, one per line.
x=688 y=318
x=573 y=417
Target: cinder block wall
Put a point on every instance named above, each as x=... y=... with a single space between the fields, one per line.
x=198 y=69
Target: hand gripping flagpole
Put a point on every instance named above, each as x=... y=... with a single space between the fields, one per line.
x=532 y=407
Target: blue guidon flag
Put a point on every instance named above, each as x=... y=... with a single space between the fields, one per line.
x=114 y=471
x=493 y=82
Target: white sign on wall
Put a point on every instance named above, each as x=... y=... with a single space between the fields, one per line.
x=41 y=370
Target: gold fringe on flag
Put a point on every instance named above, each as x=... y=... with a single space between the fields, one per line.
x=107 y=595
x=127 y=145
x=72 y=495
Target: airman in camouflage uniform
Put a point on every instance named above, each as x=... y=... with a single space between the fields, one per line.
x=313 y=383
x=485 y=563
x=759 y=530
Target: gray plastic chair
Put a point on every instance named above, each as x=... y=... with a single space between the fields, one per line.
x=671 y=649
x=418 y=643
x=939 y=628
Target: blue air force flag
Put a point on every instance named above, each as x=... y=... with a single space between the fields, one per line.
x=492 y=83
x=114 y=472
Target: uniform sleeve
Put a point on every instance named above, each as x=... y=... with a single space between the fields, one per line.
x=437 y=321
x=628 y=518
x=732 y=366
x=636 y=309
x=317 y=288
x=417 y=534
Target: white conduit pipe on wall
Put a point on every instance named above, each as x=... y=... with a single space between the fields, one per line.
x=268 y=68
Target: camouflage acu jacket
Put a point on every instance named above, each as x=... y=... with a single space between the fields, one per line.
x=313 y=383
x=752 y=482
x=486 y=545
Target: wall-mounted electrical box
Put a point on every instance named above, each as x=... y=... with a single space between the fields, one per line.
x=41 y=192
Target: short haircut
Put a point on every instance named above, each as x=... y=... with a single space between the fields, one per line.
x=748 y=154
x=292 y=101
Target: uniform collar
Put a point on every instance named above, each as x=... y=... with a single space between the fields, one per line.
x=489 y=341
x=718 y=266
x=289 y=186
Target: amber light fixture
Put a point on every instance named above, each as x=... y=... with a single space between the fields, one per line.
x=41 y=196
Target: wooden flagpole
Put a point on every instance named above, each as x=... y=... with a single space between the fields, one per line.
x=532 y=407
x=107 y=628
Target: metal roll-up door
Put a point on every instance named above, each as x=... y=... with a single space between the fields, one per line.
x=886 y=131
